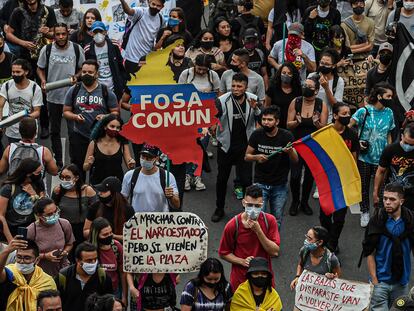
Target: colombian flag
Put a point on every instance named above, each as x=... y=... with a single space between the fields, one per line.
x=333 y=167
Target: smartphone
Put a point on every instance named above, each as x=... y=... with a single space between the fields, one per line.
x=57 y=253
x=350 y=56
x=22 y=233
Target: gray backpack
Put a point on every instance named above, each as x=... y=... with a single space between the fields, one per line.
x=22 y=151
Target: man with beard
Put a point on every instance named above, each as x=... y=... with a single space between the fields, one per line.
x=58 y=61
x=267 y=147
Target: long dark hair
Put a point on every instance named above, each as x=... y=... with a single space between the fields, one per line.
x=211 y=265
x=379 y=89
x=96 y=227
x=197 y=40
x=296 y=84
x=73 y=168
x=182 y=27
x=217 y=36
x=26 y=167
x=105 y=121
x=83 y=28
x=336 y=31
x=118 y=205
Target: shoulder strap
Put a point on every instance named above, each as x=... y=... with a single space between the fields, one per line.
x=265 y=220
x=334 y=84
x=48 y=52
x=236 y=231
x=75 y=93
x=363 y=122
x=304 y=257
x=160 y=16
x=7 y=90
x=77 y=56
x=350 y=23
x=101 y=276
x=13 y=190
x=329 y=260
x=163 y=175
x=33 y=89
x=134 y=179
x=62 y=281
x=105 y=93
x=397 y=15
x=298 y=104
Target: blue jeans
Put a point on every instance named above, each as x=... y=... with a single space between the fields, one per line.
x=277 y=197
x=384 y=295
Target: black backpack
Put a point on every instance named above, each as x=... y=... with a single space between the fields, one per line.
x=23 y=151
x=49 y=51
x=244 y=26
x=77 y=88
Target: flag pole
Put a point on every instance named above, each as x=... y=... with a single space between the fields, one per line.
x=283 y=42
x=168 y=172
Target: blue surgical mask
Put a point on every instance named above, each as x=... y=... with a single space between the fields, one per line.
x=310 y=246
x=407 y=147
x=90 y=268
x=51 y=220
x=25 y=268
x=67 y=184
x=172 y=22
x=148 y=165
x=252 y=212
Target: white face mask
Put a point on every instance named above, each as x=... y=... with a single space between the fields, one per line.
x=99 y=38
x=25 y=268
x=408 y=5
x=321 y=13
x=89 y=268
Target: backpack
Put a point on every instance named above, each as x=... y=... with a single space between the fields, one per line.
x=397 y=15
x=7 y=90
x=244 y=26
x=134 y=180
x=236 y=232
x=49 y=51
x=22 y=151
x=128 y=29
x=78 y=85
x=62 y=278
x=304 y=256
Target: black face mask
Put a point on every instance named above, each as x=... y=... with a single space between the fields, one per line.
x=211 y=285
x=106 y=200
x=344 y=120
x=153 y=11
x=237 y=97
x=307 y=92
x=385 y=59
x=325 y=70
x=207 y=45
x=358 y=10
x=386 y=102
x=88 y=80
x=18 y=79
x=268 y=129
x=260 y=281
x=286 y=79
x=175 y=56
x=35 y=178
x=235 y=68
x=106 y=241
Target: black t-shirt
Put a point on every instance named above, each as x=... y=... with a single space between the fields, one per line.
x=5 y=68
x=108 y=213
x=373 y=77
x=85 y=40
x=279 y=98
x=238 y=131
x=256 y=61
x=350 y=137
x=158 y=296
x=177 y=70
x=273 y=172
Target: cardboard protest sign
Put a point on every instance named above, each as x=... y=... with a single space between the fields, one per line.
x=166 y=114
x=355 y=77
x=317 y=292
x=164 y=242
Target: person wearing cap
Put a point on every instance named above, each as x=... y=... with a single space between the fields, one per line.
x=148 y=187
x=382 y=71
x=388 y=244
x=317 y=21
x=249 y=234
x=108 y=55
x=257 y=59
x=297 y=51
x=58 y=61
x=257 y=293
x=112 y=205
x=359 y=30
x=246 y=19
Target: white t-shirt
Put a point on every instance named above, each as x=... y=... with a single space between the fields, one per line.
x=143 y=35
x=165 y=12
x=306 y=48
x=19 y=100
x=206 y=83
x=339 y=93
x=148 y=195
x=105 y=74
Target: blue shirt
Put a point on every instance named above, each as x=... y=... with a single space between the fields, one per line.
x=383 y=255
x=377 y=126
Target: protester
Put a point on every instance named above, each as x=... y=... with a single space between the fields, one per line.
x=375 y=122
x=381 y=72
x=337 y=41
x=269 y=148
x=177 y=61
x=110 y=255
x=21 y=282
x=66 y=14
x=257 y=293
x=49 y=300
x=78 y=281
x=111 y=205
x=378 y=11
x=237 y=111
x=284 y=87
x=245 y=17
x=84 y=35
x=52 y=234
x=19 y=193
x=147 y=187
x=315 y=257
x=107 y=151
x=387 y=245
x=105 y=302
x=249 y=234
x=209 y=289
x=403 y=14
x=224 y=36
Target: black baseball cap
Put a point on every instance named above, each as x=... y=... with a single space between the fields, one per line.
x=259 y=264
x=150 y=150
x=110 y=183
x=251 y=33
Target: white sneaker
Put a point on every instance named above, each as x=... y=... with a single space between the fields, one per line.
x=198 y=183
x=187 y=185
x=364 y=219
x=316 y=193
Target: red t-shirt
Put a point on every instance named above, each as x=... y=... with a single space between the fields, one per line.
x=247 y=244
x=110 y=263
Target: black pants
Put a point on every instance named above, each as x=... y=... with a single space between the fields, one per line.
x=78 y=145
x=334 y=223
x=367 y=172
x=295 y=178
x=225 y=163
x=55 y=113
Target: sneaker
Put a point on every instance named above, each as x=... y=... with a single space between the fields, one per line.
x=306 y=209
x=209 y=154
x=218 y=215
x=316 y=193
x=198 y=183
x=364 y=219
x=187 y=185
x=293 y=210
x=214 y=142
x=238 y=191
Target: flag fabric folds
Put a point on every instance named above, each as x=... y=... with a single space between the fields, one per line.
x=333 y=167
